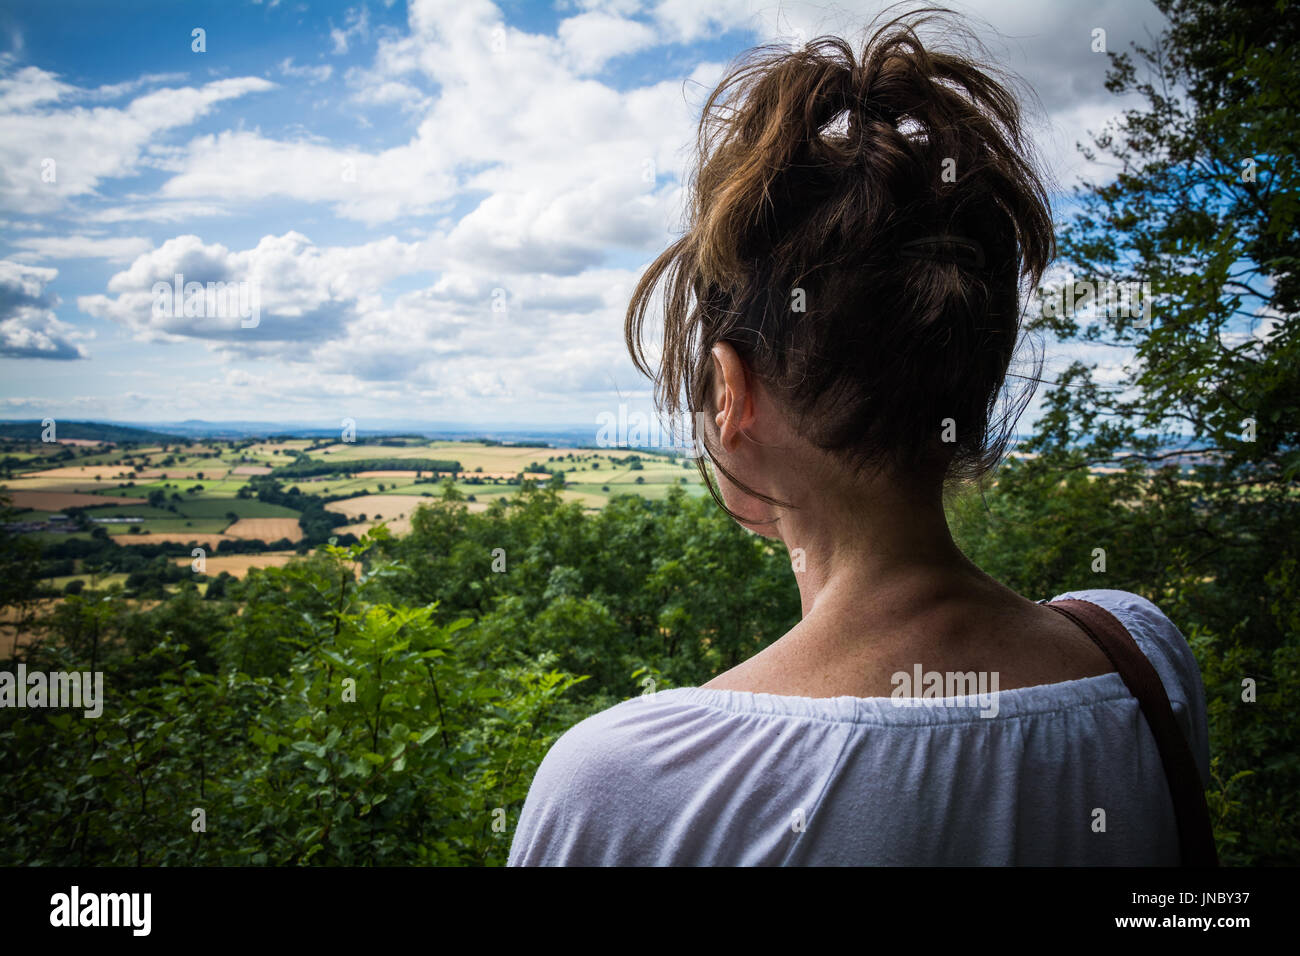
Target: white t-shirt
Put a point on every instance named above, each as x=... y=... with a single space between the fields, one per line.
x=1063 y=774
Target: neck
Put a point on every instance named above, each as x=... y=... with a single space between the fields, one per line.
x=875 y=553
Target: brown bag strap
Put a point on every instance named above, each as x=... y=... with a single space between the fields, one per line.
x=1193 y=816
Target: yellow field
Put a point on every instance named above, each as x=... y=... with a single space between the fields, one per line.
x=267 y=529
x=374 y=506
x=55 y=484
x=239 y=564
x=74 y=472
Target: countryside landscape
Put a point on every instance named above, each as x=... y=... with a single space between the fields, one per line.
x=106 y=511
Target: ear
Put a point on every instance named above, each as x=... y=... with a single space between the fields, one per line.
x=732 y=396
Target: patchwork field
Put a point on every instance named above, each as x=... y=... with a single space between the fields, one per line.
x=190 y=490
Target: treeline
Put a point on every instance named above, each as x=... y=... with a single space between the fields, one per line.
x=311 y=467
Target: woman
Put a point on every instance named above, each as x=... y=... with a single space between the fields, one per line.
x=843 y=307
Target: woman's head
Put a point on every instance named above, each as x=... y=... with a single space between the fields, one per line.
x=860 y=224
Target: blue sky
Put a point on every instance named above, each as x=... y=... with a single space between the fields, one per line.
x=384 y=174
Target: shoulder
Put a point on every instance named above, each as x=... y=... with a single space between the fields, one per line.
x=676 y=778
x=1157 y=635
x=593 y=772
x=1164 y=645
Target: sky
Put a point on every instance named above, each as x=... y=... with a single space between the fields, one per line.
x=435 y=210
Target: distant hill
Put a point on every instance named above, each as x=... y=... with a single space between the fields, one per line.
x=90 y=431
x=388 y=433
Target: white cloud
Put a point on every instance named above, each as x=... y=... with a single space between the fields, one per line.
x=304 y=294
x=28 y=326
x=356 y=24
x=114 y=249
x=143 y=209
x=592 y=39
x=53 y=155
x=314 y=74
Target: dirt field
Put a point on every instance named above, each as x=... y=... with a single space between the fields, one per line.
x=58 y=500
x=74 y=472
x=238 y=564
x=12 y=634
x=398 y=526
x=389 y=506
x=57 y=484
x=251 y=470
x=267 y=529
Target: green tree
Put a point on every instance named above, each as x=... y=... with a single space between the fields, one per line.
x=1179 y=471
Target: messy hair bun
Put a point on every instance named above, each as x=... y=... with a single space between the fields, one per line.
x=892 y=195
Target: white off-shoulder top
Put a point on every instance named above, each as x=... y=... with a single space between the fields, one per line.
x=1061 y=774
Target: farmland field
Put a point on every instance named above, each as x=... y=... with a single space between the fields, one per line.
x=53 y=500
x=267 y=529
x=387 y=506
x=238 y=565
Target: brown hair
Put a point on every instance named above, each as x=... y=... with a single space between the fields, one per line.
x=896 y=192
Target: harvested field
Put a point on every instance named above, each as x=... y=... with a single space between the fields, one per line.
x=75 y=472
x=251 y=470
x=398 y=526
x=372 y=506
x=267 y=529
x=57 y=484
x=58 y=500
x=238 y=564
x=15 y=632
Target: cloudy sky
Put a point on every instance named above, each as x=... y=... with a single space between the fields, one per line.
x=442 y=205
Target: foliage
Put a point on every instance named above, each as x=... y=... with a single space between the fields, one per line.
x=1178 y=465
